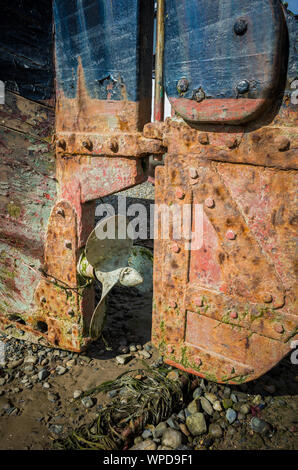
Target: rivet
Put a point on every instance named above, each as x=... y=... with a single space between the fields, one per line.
x=209 y=202
x=282 y=143
x=230 y=235
x=173 y=304
x=170 y=349
x=62 y=144
x=199 y=301
x=70 y=312
x=68 y=244
x=240 y=27
x=182 y=85
x=87 y=144
x=175 y=248
x=60 y=212
x=43 y=300
x=279 y=328
x=243 y=86
x=197 y=361
x=198 y=95
x=233 y=315
x=203 y=138
x=193 y=173
x=180 y=194
x=267 y=298
x=114 y=146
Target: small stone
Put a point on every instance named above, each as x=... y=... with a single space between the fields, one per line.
x=196 y=424
x=15 y=364
x=181 y=415
x=231 y=415
x=217 y=406
x=112 y=393
x=234 y=398
x=2 y=381
x=53 y=397
x=211 y=397
x=46 y=385
x=160 y=429
x=146 y=434
x=87 y=402
x=145 y=354
x=77 y=394
x=172 y=438
x=172 y=423
x=198 y=392
x=43 y=374
x=30 y=360
x=173 y=375
x=124 y=359
x=194 y=406
x=244 y=409
x=227 y=392
x=215 y=430
x=206 y=405
x=61 y=370
x=56 y=428
x=257 y=400
x=148 y=444
x=132 y=348
x=184 y=429
x=227 y=403
x=260 y=426
x=138 y=440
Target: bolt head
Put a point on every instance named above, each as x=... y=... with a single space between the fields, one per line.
x=199 y=95
x=180 y=194
x=243 y=86
x=282 y=143
x=173 y=304
x=209 y=202
x=233 y=315
x=267 y=298
x=279 y=328
x=193 y=173
x=175 y=248
x=240 y=27
x=170 y=349
x=199 y=301
x=230 y=235
x=204 y=138
x=182 y=85
x=197 y=361
x=68 y=245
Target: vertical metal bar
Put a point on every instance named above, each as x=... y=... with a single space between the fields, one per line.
x=159 y=60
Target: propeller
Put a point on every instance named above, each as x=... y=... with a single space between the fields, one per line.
x=114 y=260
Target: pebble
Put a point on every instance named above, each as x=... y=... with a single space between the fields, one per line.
x=217 y=406
x=56 y=428
x=61 y=370
x=53 y=397
x=260 y=426
x=171 y=438
x=244 y=409
x=181 y=415
x=211 y=397
x=112 y=393
x=206 y=405
x=257 y=400
x=172 y=423
x=14 y=364
x=77 y=394
x=148 y=444
x=231 y=415
x=43 y=374
x=146 y=434
x=198 y=392
x=124 y=359
x=145 y=354
x=227 y=403
x=184 y=429
x=132 y=348
x=30 y=360
x=194 y=406
x=215 y=430
x=196 y=424
x=234 y=398
x=87 y=402
x=46 y=385
x=160 y=429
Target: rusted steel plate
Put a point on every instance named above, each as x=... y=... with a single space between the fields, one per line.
x=218 y=307
x=202 y=38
